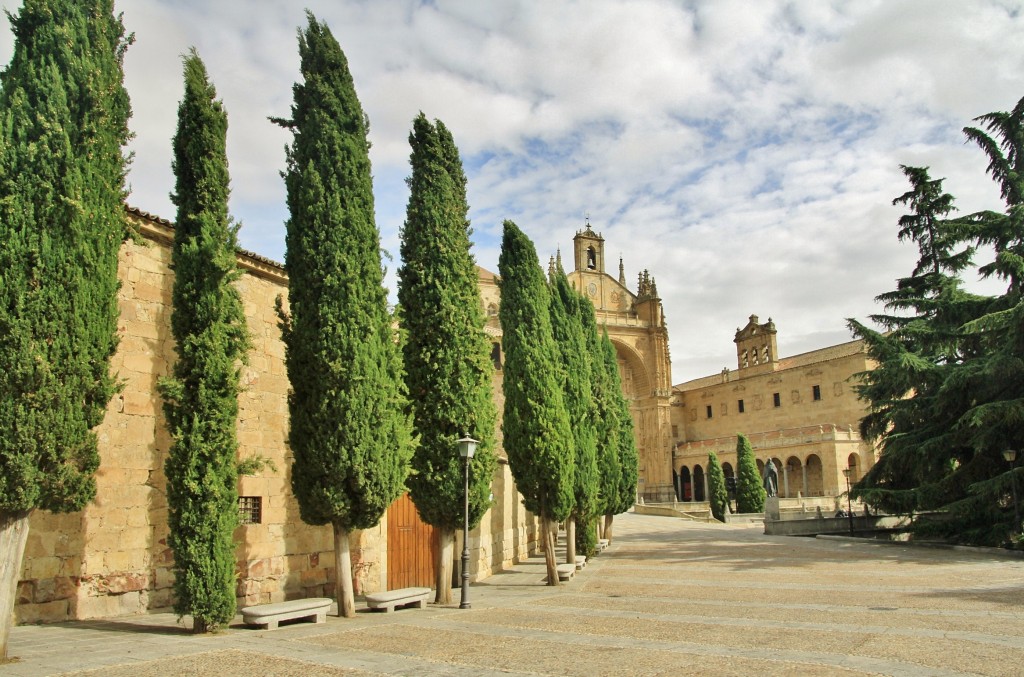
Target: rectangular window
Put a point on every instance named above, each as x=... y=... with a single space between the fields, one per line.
x=739 y=406
x=816 y=390
x=496 y=355
x=250 y=509
x=675 y=431
x=777 y=399
x=709 y=411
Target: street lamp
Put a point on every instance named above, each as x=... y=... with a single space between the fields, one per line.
x=467 y=447
x=1011 y=457
x=849 y=505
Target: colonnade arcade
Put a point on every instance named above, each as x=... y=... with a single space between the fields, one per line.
x=797 y=477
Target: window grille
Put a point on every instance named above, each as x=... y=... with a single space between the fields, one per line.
x=250 y=509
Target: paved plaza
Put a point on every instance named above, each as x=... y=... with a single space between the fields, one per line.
x=670 y=597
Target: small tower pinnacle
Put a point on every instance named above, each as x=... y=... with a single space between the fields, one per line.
x=622 y=272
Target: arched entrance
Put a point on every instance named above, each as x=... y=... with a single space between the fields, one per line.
x=685 y=485
x=853 y=463
x=794 y=480
x=815 y=486
x=698 y=484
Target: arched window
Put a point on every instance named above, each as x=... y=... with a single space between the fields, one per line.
x=591 y=258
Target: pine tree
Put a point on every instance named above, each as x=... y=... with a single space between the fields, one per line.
x=447 y=354
x=537 y=436
x=921 y=344
x=750 y=492
x=63 y=123
x=348 y=431
x=628 y=458
x=567 y=318
x=201 y=398
x=719 y=497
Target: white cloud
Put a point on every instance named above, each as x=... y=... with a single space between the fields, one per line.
x=745 y=153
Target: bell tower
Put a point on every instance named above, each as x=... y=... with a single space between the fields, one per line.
x=589 y=250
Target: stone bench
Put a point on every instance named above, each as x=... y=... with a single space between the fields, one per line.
x=581 y=561
x=602 y=543
x=389 y=599
x=314 y=608
x=566 y=571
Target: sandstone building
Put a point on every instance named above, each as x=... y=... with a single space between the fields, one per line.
x=112 y=557
x=802 y=412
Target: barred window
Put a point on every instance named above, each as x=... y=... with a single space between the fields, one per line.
x=250 y=509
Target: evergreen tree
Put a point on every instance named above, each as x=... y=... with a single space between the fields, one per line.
x=447 y=354
x=750 y=492
x=719 y=497
x=201 y=398
x=606 y=398
x=567 y=325
x=537 y=436
x=625 y=444
x=63 y=123
x=921 y=344
x=348 y=432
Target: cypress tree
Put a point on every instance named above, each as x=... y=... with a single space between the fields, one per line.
x=447 y=354
x=63 y=122
x=750 y=492
x=719 y=497
x=567 y=325
x=536 y=429
x=201 y=398
x=349 y=433
x=625 y=442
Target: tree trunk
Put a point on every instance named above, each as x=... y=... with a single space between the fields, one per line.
x=13 y=535
x=343 y=567
x=548 y=527
x=445 y=559
x=608 y=519
x=570 y=541
x=600 y=526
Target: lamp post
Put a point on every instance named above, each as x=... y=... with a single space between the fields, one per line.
x=467 y=447
x=1011 y=457
x=849 y=504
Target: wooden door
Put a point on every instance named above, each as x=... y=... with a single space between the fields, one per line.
x=412 y=547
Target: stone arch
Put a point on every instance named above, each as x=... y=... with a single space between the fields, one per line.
x=760 y=467
x=853 y=463
x=640 y=383
x=698 y=484
x=727 y=469
x=794 y=478
x=685 y=484
x=815 y=477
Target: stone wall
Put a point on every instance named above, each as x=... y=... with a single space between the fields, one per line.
x=112 y=558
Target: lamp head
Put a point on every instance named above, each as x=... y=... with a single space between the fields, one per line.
x=846 y=473
x=467 y=446
x=1010 y=455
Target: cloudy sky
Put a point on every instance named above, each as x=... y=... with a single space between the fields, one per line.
x=745 y=152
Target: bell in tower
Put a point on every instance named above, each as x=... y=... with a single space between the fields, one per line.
x=589 y=250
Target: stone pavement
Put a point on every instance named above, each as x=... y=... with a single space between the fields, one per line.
x=669 y=597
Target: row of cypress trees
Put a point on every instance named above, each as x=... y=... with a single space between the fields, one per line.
x=61 y=226
x=750 y=491
x=567 y=428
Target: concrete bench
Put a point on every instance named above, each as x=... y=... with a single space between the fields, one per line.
x=314 y=608
x=581 y=561
x=566 y=571
x=602 y=543
x=389 y=599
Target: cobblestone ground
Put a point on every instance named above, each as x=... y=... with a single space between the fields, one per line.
x=669 y=597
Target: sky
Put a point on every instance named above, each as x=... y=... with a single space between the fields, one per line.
x=746 y=153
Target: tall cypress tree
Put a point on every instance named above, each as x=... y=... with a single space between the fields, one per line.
x=567 y=319
x=719 y=497
x=537 y=436
x=63 y=122
x=750 y=491
x=349 y=432
x=607 y=395
x=447 y=354
x=625 y=442
x=201 y=398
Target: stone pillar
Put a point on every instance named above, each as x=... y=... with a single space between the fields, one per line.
x=785 y=481
x=803 y=471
